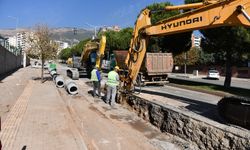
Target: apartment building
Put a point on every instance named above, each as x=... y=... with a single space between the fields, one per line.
x=196 y=40
x=61 y=45
x=108 y=28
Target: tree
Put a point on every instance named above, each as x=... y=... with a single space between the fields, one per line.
x=75 y=50
x=227 y=43
x=65 y=54
x=176 y=43
x=119 y=40
x=41 y=46
x=206 y=58
x=190 y=57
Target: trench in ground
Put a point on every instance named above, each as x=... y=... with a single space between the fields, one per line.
x=206 y=133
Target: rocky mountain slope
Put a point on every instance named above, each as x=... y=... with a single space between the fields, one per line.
x=66 y=34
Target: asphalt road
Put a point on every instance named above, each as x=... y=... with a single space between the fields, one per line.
x=197 y=102
x=235 y=82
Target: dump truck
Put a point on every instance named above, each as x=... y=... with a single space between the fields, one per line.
x=154 y=69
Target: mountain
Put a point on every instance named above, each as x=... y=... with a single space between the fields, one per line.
x=71 y=35
x=65 y=34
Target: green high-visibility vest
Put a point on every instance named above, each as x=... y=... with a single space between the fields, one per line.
x=112 y=78
x=93 y=75
x=52 y=66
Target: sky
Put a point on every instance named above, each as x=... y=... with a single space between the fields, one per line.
x=72 y=13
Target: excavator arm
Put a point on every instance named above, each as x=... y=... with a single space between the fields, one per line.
x=100 y=52
x=98 y=46
x=209 y=14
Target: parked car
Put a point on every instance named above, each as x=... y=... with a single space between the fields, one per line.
x=38 y=64
x=213 y=74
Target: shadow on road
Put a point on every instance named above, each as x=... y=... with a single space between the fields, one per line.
x=4 y=75
x=206 y=78
x=45 y=79
x=202 y=108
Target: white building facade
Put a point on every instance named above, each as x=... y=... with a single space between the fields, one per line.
x=61 y=45
x=196 y=40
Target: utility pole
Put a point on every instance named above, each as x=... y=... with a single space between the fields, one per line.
x=95 y=28
x=75 y=30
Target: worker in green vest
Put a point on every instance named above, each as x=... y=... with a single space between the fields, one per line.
x=52 y=66
x=96 y=79
x=112 y=83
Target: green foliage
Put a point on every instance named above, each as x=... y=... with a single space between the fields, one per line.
x=220 y=41
x=206 y=58
x=75 y=50
x=159 y=13
x=190 y=57
x=228 y=44
x=232 y=40
x=176 y=43
x=118 y=40
x=65 y=54
x=114 y=41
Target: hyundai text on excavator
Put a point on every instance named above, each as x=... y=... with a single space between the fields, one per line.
x=204 y=15
x=92 y=55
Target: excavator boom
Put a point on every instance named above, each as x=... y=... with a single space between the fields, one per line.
x=100 y=52
x=224 y=13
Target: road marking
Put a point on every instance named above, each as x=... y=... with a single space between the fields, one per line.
x=12 y=123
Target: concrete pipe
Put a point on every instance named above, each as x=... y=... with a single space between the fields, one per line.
x=73 y=73
x=59 y=81
x=53 y=73
x=49 y=69
x=71 y=87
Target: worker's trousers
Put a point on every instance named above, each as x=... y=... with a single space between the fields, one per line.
x=96 y=86
x=111 y=92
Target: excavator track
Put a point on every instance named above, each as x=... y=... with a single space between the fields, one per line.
x=235 y=110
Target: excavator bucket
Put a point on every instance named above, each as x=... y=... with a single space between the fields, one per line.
x=235 y=110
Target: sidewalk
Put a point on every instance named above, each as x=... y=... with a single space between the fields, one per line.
x=189 y=75
x=39 y=120
x=44 y=117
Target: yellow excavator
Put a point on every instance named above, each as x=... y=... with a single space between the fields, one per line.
x=91 y=56
x=204 y=15
x=96 y=45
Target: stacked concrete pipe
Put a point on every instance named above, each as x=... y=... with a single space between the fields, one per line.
x=73 y=73
x=59 y=80
x=53 y=74
x=71 y=87
x=50 y=69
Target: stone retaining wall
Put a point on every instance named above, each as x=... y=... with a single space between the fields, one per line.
x=207 y=134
